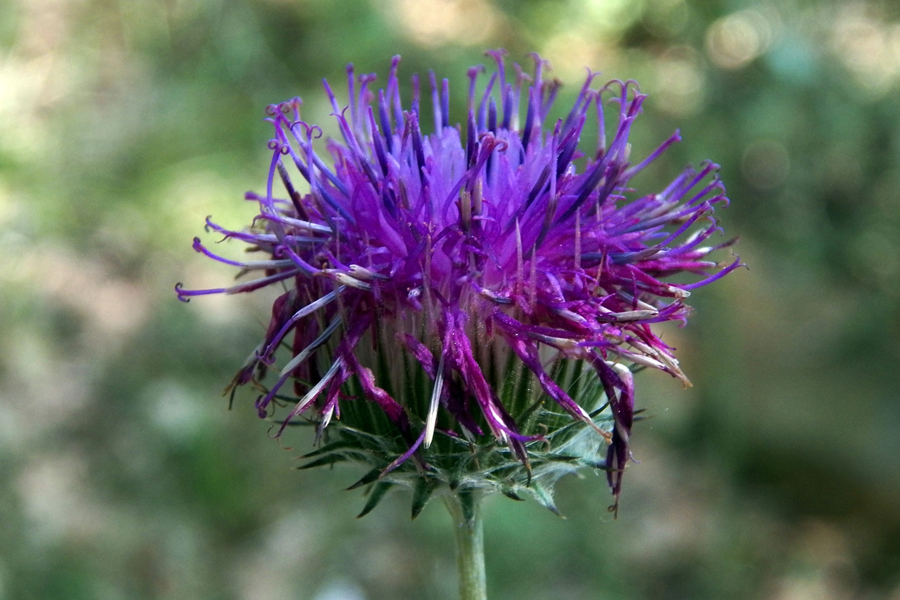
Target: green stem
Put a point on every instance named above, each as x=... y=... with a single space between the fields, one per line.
x=465 y=507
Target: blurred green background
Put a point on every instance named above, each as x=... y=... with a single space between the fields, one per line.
x=124 y=476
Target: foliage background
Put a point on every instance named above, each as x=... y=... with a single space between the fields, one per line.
x=122 y=474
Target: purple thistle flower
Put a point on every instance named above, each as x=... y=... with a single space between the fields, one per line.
x=452 y=267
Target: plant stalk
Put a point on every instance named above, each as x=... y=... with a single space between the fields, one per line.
x=465 y=507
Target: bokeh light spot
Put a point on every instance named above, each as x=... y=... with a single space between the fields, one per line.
x=680 y=81
x=765 y=164
x=732 y=42
x=441 y=22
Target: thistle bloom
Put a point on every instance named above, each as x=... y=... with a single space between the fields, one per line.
x=487 y=291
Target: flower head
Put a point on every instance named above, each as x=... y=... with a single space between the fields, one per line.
x=470 y=303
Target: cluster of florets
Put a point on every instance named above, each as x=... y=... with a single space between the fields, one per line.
x=455 y=260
